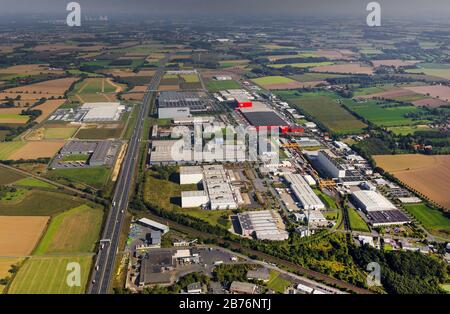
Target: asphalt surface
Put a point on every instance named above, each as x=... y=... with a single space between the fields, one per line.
x=104 y=262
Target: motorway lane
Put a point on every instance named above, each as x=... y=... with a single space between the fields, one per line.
x=104 y=263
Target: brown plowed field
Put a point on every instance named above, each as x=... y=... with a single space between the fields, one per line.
x=351 y=68
x=20 y=234
x=39 y=149
x=429 y=175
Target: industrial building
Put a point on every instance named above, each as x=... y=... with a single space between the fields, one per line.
x=99 y=153
x=238 y=287
x=307 y=142
x=217 y=194
x=369 y=201
x=315 y=218
x=154 y=225
x=192 y=199
x=240 y=97
x=173 y=104
x=191 y=175
x=167 y=152
x=387 y=218
x=102 y=111
x=263 y=224
x=330 y=164
x=303 y=192
x=264 y=119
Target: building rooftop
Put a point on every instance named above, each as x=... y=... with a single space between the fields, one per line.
x=191 y=170
x=373 y=200
x=243 y=287
x=264 y=118
x=172 y=99
x=154 y=224
x=387 y=217
x=303 y=192
x=258 y=274
x=102 y=111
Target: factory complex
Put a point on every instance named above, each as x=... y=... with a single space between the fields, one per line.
x=90 y=112
x=79 y=154
x=174 y=104
x=217 y=193
x=264 y=225
x=379 y=210
x=303 y=192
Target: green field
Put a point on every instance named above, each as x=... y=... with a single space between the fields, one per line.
x=269 y=80
x=18 y=118
x=39 y=203
x=190 y=78
x=7 y=148
x=233 y=63
x=433 y=69
x=75 y=157
x=9 y=176
x=131 y=123
x=33 y=182
x=215 y=86
x=48 y=275
x=92 y=176
x=166 y=195
x=329 y=202
x=356 y=222
x=276 y=283
x=384 y=114
x=368 y=91
x=324 y=108
x=99 y=133
x=311 y=77
x=74 y=231
x=405 y=130
x=59 y=133
x=300 y=65
x=432 y=219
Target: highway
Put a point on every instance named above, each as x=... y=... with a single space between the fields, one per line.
x=104 y=262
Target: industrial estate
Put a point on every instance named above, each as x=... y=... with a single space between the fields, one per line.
x=244 y=158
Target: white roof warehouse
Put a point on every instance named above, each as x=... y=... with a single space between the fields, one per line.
x=303 y=192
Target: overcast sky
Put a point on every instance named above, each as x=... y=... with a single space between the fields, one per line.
x=397 y=8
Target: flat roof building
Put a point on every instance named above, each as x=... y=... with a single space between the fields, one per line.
x=172 y=104
x=330 y=164
x=369 y=201
x=102 y=111
x=316 y=218
x=238 y=287
x=303 y=192
x=192 y=199
x=153 y=224
x=191 y=174
x=264 y=119
x=263 y=224
x=378 y=218
x=217 y=193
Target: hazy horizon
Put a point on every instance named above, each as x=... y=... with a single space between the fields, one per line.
x=413 y=9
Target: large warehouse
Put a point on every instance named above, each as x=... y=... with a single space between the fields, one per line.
x=102 y=111
x=379 y=210
x=369 y=201
x=330 y=164
x=303 y=192
x=173 y=104
x=218 y=193
x=263 y=224
x=191 y=175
